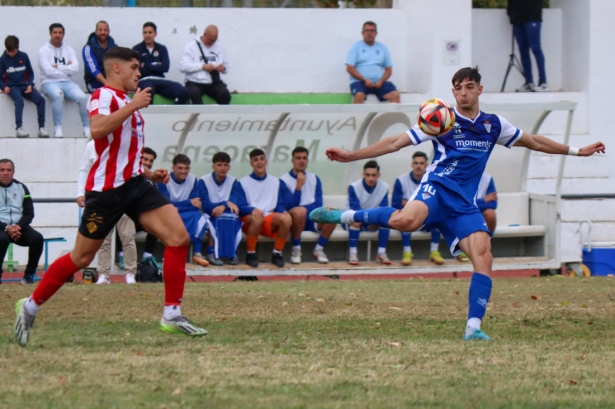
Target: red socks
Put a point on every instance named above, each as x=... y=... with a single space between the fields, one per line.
x=54 y=278
x=174 y=267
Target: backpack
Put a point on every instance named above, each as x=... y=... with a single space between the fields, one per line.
x=147 y=272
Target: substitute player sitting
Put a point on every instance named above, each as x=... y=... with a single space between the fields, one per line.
x=366 y=193
x=262 y=197
x=183 y=193
x=447 y=192
x=116 y=185
x=404 y=187
x=487 y=200
x=219 y=193
x=305 y=195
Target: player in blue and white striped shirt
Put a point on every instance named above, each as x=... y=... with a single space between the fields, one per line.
x=445 y=198
x=404 y=187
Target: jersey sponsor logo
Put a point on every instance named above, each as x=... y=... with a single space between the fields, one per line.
x=428 y=191
x=450 y=168
x=475 y=145
x=487 y=126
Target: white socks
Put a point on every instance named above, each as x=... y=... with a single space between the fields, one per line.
x=435 y=246
x=353 y=250
x=171 y=311
x=277 y=252
x=382 y=250
x=473 y=325
x=31 y=307
x=407 y=249
x=348 y=217
x=146 y=254
x=319 y=248
x=297 y=248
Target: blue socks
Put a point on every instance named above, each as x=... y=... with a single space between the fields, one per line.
x=405 y=238
x=211 y=250
x=296 y=242
x=383 y=237
x=353 y=237
x=197 y=246
x=479 y=293
x=322 y=241
x=379 y=216
x=435 y=236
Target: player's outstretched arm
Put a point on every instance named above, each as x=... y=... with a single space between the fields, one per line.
x=102 y=125
x=542 y=144
x=382 y=147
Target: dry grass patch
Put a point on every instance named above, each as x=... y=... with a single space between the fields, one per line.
x=330 y=344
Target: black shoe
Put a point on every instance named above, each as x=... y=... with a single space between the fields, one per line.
x=277 y=259
x=28 y=279
x=234 y=261
x=252 y=260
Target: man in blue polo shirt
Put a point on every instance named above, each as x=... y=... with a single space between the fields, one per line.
x=369 y=64
x=154 y=63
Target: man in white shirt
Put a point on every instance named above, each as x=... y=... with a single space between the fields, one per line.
x=203 y=61
x=125 y=228
x=58 y=62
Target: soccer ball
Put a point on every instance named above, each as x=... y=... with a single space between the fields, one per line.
x=436 y=117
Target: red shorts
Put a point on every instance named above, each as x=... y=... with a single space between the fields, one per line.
x=265 y=228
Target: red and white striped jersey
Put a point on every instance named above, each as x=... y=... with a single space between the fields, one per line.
x=119 y=154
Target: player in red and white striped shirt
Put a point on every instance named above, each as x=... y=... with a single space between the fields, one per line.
x=116 y=185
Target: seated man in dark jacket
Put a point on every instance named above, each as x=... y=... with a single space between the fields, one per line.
x=154 y=64
x=17 y=80
x=99 y=42
x=16 y=214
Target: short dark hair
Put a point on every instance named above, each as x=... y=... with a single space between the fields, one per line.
x=11 y=43
x=150 y=151
x=419 y=154
x=467 y=73
x=370 y=23
x=56 y=25
x=150 y=24
x=6 y=160
x=100 y=22
x=256 y=152
x=221 y=157
x=299 y=149
x=122 y=54
x=181 y=158
x=371 y=164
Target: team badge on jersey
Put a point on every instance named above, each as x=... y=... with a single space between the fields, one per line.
x=487 y=126
x=155 y=53
x=457 y=131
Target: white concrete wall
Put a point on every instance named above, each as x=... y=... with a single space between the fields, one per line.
x=491 y=46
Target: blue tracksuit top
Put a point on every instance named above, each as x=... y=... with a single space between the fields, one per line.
x=15 y=71
x=93 y=56
x=153 y=64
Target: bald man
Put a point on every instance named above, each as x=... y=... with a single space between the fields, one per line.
x=203 y=62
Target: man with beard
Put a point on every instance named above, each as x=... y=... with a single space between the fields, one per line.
x=99 y=42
